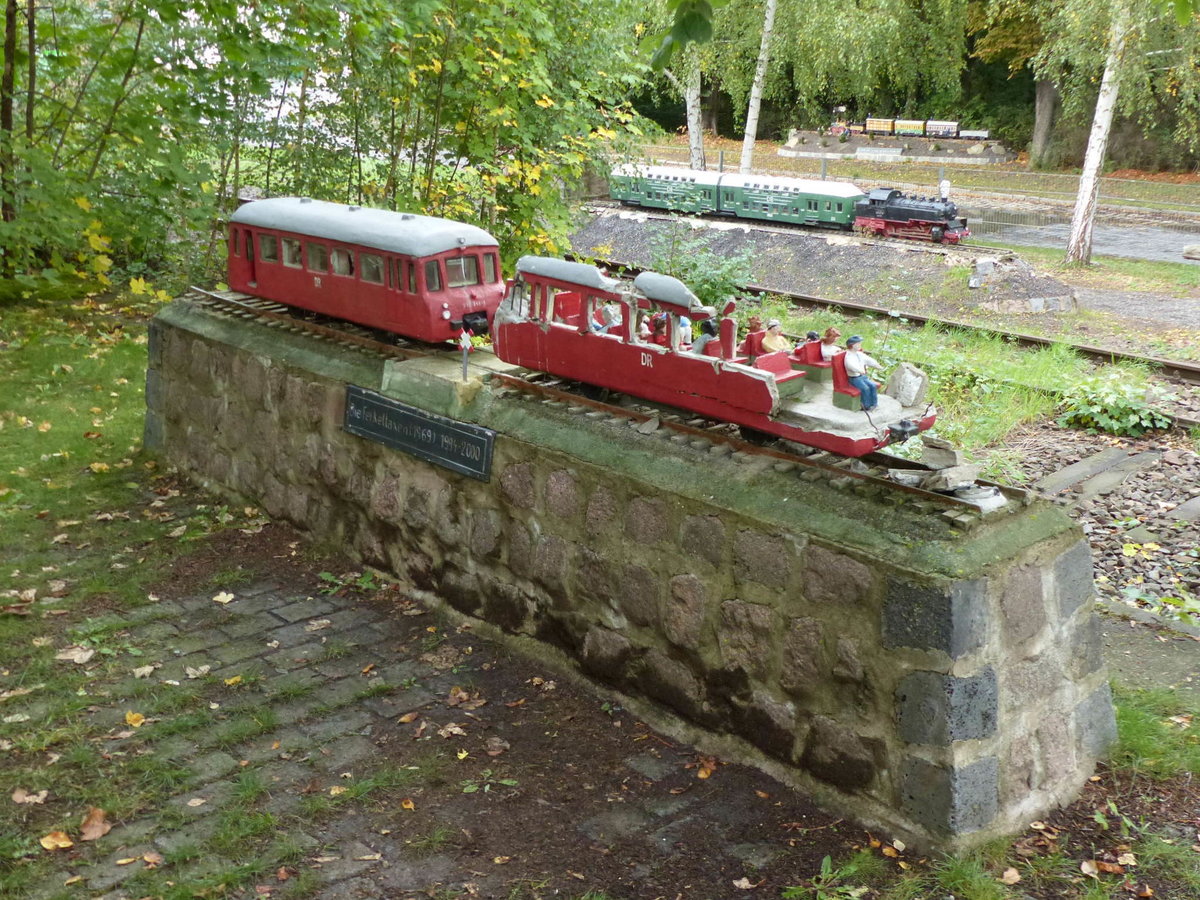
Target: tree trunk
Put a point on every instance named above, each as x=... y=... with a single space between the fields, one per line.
x=756 y=89
x=1045 y=105
x=31 y=45
x=1079 y=243
x=7 y=86
x=691 y=98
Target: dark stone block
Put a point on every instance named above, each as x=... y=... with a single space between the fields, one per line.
x=416 y=507
x=1073 y=584
x=1096 y=723
x=950 y=801
x=552 y=563
x=601 y=511
x=485 y=532
x=595 y=582
x=937 y=709
x=848 y=666
x=926 y=617
x=153 y=432
x=838 y=756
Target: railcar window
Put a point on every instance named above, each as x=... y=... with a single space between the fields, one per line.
x=839 y=207
x=412 y=277
x=370 y=268
x=462 y=271
x=249 y=245
x=828 y=206
x=489 y=268
x=268 y=248
x=291 y=253
x=343 y=261
x=318 y=257
x=233 y=241
x=433 y=276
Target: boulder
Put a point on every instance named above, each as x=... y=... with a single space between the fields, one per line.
x=1191 y=251
x=952 y=478
x=907 y=385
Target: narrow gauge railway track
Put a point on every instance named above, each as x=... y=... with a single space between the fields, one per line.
x=910 y=245
x=679 y=426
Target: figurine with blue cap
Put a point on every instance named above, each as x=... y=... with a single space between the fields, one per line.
x=857 y=364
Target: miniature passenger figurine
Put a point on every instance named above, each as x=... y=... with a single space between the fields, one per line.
x=775 y=340
x=857 y=364
x=710 y=330
x=754 y=335
x=811 y=336
x=829 y=347
x=609 y=315
x=658 y=330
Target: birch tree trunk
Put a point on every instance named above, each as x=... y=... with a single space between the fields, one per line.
x=7 y=87
x=1079 y=243
x=689 y=89
x=756 y=89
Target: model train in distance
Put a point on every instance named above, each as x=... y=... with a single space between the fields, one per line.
x=884 y=212
x=433 y=279
x=932 y=128
x=548 y=321
x=418 y=276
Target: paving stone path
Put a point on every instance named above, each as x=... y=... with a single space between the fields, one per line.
x=319 y=708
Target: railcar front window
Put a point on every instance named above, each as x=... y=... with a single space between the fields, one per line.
x=433 y=276
x=249 y=245
x=462 y=271
x=371 y=268
x=489 y=268
x=291 y=253
x=343 y=261
x=412 y=277
x=268 y=248
x=318 y=257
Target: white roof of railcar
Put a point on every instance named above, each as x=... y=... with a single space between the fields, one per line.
x=802 y=185
x=678 y=173
x=571 y=272
x=381 y=229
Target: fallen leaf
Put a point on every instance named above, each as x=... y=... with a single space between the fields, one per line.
x=95 y=825
x=1145 y=890
x=516 y=703
x=15 y=717
x=1127 y=859
x=134 y=718
x=1110 y=868
x=1088 y=867
x=315 y=625
x=1010 y=876
x=407 y=803
x=197 y=801
x=578 y=875
x=20 y=795
x=890 y=852
x=234 y=681
x=127 y=860
x=408 y=717
x=223 y=598
x=496 y=745
x=452 y=729
x=74 y=879
x=337 y=789
x=369 y=857
x=366 y=670
x=78 y=655
x=501 y=860
x=746 y=884
x=197 y=672
x=143 y=671
x=283 y=873
x=56 y=840
x=900 y=845
x=463 y=754
x=762 y=795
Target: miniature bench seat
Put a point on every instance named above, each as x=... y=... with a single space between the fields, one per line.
x=845 y=395
x=807 y=357
x=789 y=381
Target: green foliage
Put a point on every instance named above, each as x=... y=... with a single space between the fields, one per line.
x=1153 y=737
x=1115 y=401
x=712 y=277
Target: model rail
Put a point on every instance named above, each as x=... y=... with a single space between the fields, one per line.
x=679 y=425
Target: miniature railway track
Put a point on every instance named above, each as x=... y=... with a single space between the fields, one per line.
x=679 y=426
x=720 y=438
x=912 y=245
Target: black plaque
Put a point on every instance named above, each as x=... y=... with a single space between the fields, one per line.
x=457 y=446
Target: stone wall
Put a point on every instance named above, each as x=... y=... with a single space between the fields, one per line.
x=943 y=683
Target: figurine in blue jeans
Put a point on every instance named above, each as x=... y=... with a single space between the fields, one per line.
x=857 y=364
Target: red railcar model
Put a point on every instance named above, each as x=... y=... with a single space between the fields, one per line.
x=571 y=320
x=418 y=276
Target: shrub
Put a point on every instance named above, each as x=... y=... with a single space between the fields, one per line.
x=1114 y=402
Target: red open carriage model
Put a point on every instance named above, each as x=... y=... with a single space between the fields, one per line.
x=549 y=320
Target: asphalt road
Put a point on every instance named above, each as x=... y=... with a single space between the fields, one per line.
x=1137 y=242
